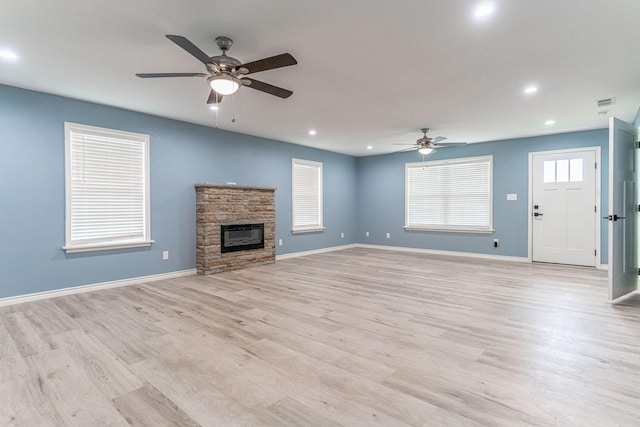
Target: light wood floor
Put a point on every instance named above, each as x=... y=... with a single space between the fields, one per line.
x=354 y=337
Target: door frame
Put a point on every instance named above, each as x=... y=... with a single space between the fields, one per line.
x=598 y=177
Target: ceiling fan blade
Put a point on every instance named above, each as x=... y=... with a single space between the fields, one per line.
x=214 y=98
x=403 y=143
x=447 y=144
x=190 y=47
x=266 y=87
x=154 y=75
x=406 y=150
x=278 y=61
x=439 y=138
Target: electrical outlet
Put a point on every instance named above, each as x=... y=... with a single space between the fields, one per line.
x=496 y=242
x=165 y=255
x=388 y=235
x=279 y=242
x=342 y=235
x=366 y=234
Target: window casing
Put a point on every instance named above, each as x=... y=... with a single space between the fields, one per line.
x=450 y=195
x=107 y=189
x=306 y=192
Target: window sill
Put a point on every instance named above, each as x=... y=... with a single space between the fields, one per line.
x=105 y=247
x=449 y=230
x=307 y=230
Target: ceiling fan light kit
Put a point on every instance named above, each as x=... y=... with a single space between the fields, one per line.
x=224 y=84
x=226 y=74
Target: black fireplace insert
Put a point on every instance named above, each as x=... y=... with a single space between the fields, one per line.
x=241 y=237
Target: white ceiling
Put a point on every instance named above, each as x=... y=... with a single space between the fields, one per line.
x=370 y=72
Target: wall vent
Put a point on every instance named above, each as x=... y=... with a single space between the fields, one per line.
x=605 y=102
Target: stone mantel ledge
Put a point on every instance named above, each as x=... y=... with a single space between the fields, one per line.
x=239 y=187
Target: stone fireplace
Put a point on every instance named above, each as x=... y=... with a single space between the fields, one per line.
x=235 y=227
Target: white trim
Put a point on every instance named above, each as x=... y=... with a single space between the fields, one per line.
x=450 y=230
x=105 y=247
x=598 y=178
x=93 y=287
x=602 y=267
x=315 y=251
x=307 y=230
x=448 y=253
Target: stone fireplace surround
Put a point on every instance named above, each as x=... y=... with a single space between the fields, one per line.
x=218 y=204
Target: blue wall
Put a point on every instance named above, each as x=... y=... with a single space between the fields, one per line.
x=32 y=206
x=364 y=194
x=381 y=195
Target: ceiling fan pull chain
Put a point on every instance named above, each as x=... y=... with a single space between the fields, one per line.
x=217 y=104
x=233 y=108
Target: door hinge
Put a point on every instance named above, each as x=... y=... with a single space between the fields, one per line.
x=595 y=209
x=595 y=252
x=596 y=165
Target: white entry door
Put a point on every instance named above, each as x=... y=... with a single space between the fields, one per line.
x=623 y=176
x=564 y=207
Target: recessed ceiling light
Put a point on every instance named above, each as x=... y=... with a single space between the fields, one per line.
x=484 y=9
x=312 y=132
x=529 y=90
x=369 y=147
x=550 y=122
x=213 y=107
x=8 y=55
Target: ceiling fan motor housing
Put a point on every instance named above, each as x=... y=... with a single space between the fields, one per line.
x=223 y=62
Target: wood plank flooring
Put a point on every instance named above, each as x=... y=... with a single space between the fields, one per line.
x=359 y=337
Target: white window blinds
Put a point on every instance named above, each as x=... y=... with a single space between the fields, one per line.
x=107 y=188
x=453 y=195
x=306 y=195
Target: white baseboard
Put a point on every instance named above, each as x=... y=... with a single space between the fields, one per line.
x=405 y=249
x=315 y=251
x=447 y=253
x=163 y=276
x=93 y=287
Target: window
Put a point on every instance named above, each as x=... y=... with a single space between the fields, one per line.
x=450 y=195
x=564 y=170
x=107 y=189
x=306 y=193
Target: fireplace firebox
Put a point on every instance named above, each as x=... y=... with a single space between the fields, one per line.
x=241 y=237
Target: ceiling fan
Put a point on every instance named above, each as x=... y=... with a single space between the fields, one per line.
x=426 y=145
x=226 y=74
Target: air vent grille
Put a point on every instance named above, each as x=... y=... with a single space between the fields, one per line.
x=605 y=102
